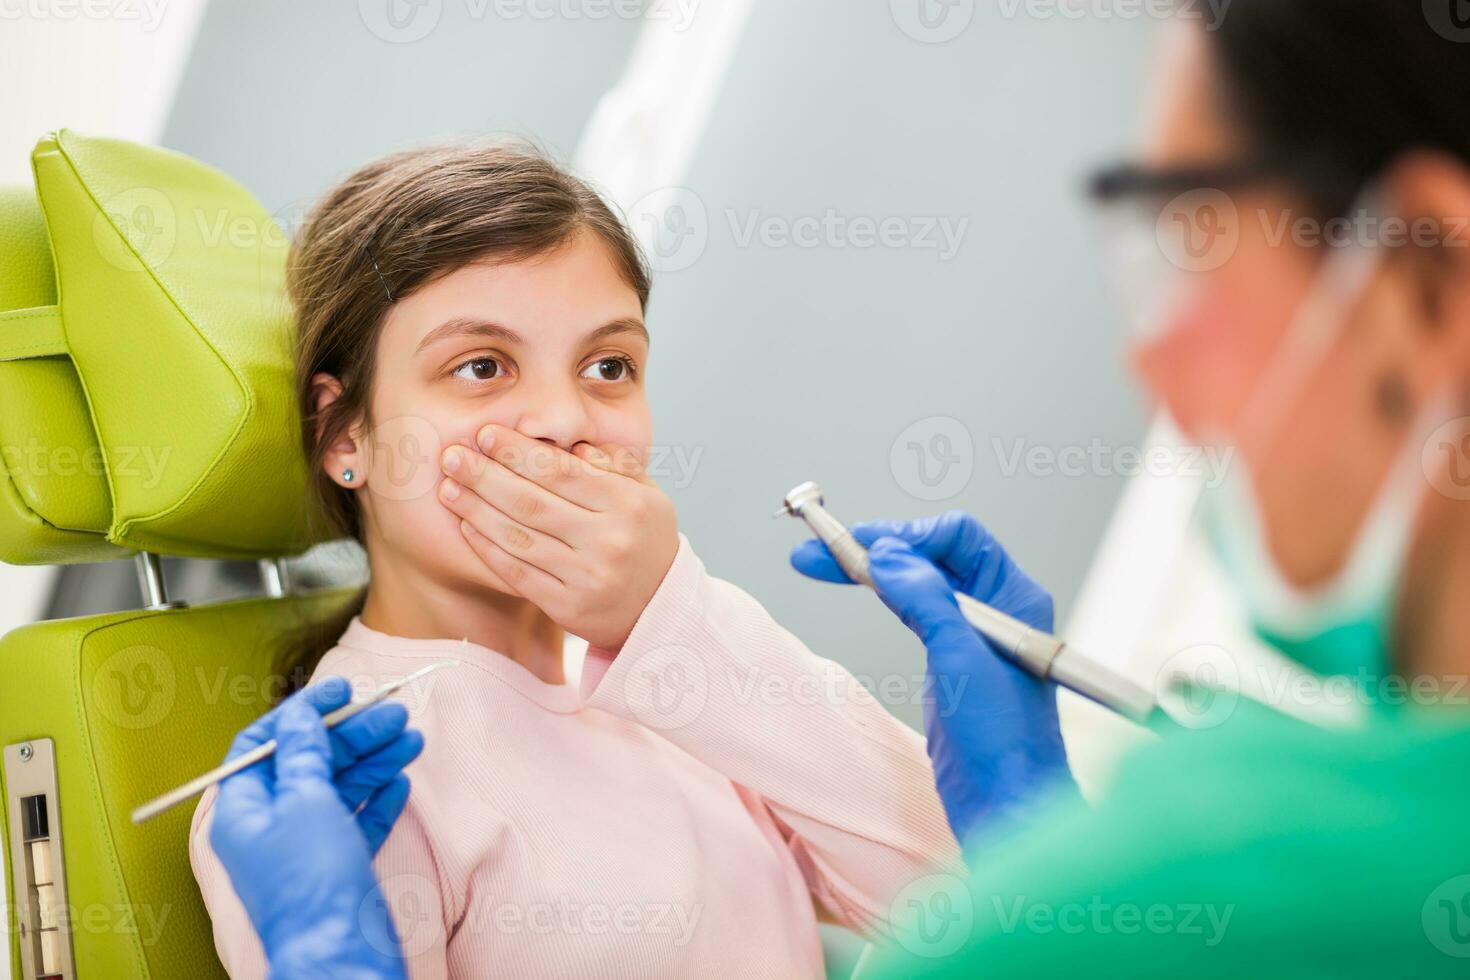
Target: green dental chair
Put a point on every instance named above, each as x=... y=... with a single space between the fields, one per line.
x=146 y=409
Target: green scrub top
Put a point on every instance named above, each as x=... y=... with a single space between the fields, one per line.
x=1262 y=847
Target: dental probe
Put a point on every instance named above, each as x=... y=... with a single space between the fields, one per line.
x=265 y=750
x=1034 y=651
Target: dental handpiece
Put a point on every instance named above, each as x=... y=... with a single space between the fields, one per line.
x=1036 y=652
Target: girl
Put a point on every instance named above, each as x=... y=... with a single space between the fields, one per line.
x=471 y=369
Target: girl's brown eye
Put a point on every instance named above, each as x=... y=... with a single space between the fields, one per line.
x=480 y=369
x=607 y=369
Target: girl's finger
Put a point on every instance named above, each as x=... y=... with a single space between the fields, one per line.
x=487 y=576
x=613 y=459
x=536 y=547
x=594 y=455
x=523 y=501
x=550 y=467
x=525 y=579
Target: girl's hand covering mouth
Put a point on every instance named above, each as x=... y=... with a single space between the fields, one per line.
x=587 y=536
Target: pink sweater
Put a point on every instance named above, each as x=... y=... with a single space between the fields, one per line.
x=690 y=810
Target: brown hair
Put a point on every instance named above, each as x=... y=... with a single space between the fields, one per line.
x=392 y=227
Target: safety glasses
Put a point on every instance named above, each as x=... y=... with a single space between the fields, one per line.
x=1162 y=228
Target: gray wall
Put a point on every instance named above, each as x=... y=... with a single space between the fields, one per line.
x=778 y=364
x=786 y=363
x=288 y=96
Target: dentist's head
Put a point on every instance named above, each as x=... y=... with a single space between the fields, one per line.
x=1306 y=182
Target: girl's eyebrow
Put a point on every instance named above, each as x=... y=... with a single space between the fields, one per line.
x=620 y=325
x=463 y=325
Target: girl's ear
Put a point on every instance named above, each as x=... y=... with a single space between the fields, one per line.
x=341 y=460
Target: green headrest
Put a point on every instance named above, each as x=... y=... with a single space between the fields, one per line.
x=145 y=362
x=53 y=501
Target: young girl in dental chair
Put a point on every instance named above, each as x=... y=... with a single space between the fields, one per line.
x=471 y=368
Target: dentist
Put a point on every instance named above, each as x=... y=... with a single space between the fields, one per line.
x=1319 y=153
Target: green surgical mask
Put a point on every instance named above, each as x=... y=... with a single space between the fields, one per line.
x=1343 y=626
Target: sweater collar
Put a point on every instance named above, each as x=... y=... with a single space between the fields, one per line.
x=563 y=698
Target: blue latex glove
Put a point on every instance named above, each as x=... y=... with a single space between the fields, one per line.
x=993 y=733
x=297 y=833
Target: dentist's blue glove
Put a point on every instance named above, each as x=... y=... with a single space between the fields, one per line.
x=993 y=733
x=297 y=833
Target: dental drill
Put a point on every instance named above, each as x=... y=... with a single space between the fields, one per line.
x=1034 y=651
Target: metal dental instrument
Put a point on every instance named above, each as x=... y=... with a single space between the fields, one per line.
x=1036 y=652
x=265 y=750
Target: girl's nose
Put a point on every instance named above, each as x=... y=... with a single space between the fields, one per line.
x=554 y=414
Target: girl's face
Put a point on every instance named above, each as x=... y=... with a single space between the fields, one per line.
x=553 y=346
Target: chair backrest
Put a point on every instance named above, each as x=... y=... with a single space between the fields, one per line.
x=145 y=407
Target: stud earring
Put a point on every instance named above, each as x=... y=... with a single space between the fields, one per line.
x=348 y=475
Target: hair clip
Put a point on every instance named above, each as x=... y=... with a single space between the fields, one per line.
x=374 y=260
